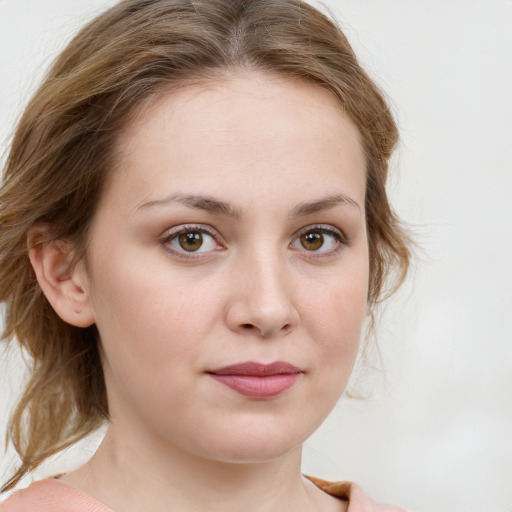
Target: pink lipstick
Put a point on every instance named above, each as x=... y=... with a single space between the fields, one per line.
x=257 y=380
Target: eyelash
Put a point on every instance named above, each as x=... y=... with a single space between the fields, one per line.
x=172 y=234
x=323 y=229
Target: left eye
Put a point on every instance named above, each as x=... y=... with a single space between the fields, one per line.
x=192 y=241
x=317 y=240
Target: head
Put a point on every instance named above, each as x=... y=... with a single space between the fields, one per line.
x=126 y=77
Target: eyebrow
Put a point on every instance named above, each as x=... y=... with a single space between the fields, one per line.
x=212 y=205
x=326 y=203
x=204 y=203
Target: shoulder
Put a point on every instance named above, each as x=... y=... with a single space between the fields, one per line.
x=354 y=495
x=50 y=495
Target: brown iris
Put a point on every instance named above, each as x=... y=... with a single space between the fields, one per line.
x=191 y=241
x=312 y=241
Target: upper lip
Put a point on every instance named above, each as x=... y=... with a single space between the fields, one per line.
x=257 y=369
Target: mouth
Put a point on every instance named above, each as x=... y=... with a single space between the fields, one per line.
x=258 y=380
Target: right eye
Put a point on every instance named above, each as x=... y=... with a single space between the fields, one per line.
x=191 y=240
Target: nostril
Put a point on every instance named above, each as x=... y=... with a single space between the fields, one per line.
x=251 y=327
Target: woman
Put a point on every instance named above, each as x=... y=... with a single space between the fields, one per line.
x=194 y=229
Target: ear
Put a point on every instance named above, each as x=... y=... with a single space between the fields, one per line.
x=64 y=284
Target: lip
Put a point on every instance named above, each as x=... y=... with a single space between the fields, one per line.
x=258 y=380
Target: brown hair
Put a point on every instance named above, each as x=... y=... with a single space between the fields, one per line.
x=61 y=154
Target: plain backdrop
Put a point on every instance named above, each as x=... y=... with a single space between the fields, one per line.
x=434 y=433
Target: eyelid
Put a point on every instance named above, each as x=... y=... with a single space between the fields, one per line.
x=183 y=228
x=341 y=238
x=175 y=231
x=324 y=228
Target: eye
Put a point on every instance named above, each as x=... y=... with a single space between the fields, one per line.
x=190 y=240
x=320 y=239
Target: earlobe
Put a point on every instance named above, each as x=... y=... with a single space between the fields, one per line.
x=63 y=283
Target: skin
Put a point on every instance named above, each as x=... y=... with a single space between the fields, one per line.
x=266 y=147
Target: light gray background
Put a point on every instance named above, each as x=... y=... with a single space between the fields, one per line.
x=435 y=432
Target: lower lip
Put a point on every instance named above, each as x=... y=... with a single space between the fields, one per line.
x=268 y=386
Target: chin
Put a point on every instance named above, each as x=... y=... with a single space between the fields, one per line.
x=254 y=445
x=256 y=453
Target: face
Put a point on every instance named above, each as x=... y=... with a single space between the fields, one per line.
x=228 y=267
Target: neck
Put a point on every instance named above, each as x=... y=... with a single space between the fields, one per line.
x=130 y=476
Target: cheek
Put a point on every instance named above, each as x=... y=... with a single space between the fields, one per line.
x=151 y=341
x=144 y=315
x=334 y=320
x=338 y=309
x=145 y=293
x=153 y=324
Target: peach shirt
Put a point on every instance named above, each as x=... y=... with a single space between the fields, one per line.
x=50 y=495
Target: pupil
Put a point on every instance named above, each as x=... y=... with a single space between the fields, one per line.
x=191 y=241
x=312 y=241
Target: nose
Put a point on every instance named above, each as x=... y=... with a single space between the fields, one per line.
x=262 y=299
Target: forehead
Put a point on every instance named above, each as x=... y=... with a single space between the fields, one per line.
x=243 y=137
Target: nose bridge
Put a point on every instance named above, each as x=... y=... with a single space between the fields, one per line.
x=268 y=285
x=264 y=302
